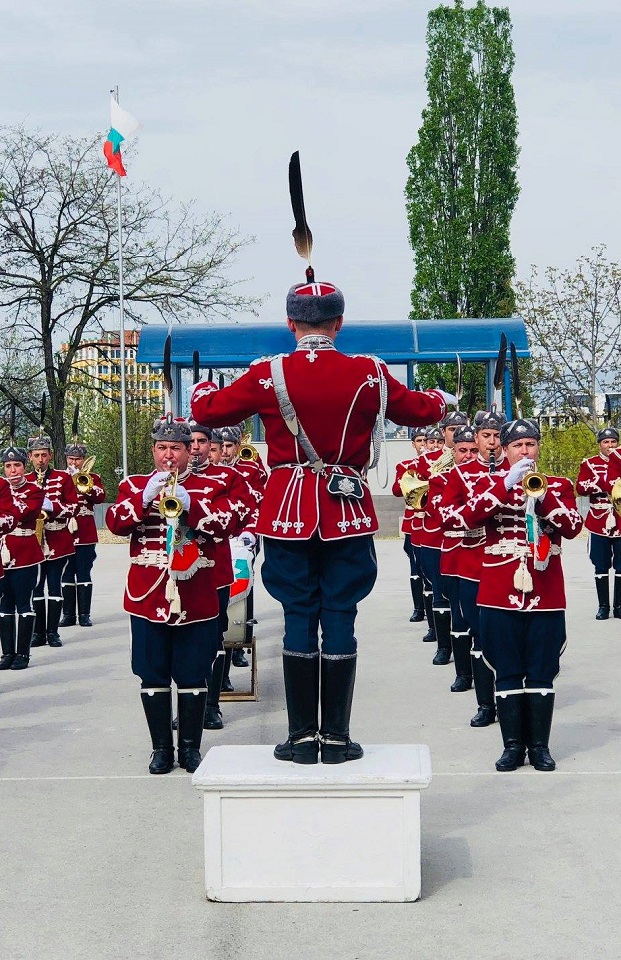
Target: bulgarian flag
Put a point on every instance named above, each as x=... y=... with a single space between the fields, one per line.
x=122 y=125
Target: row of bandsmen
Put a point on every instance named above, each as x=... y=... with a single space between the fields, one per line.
x=48 y=539
x=486 y=545
x=180 y=574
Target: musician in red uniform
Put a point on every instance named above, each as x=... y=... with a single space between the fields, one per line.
x=255 y=475
x=522 y=592
x=463 y=555
x=430 y=535
x=20 y=505
x=602 y=522
x=77 y=580
x=411 y=518
x=171 y=593
x=220 y=551
x=59 y=506
x=318 y=407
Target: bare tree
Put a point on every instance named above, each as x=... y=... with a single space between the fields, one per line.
x=574 y=326
x=58 y=257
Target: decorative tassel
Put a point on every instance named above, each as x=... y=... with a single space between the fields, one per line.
x=72 y=525
x=175 y=605
x=6 y=556
x=522 y=579
x=171 y=590
x=611 y=521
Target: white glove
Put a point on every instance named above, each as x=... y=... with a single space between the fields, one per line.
x=248 y=539
x=449 y=399
x=72 y=471
x=47 y=505
x=517 y=472
x=153 y=487
x=183 y=497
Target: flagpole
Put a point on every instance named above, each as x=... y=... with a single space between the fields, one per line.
x=115 y=94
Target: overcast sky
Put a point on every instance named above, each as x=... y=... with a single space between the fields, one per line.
x=227 y=89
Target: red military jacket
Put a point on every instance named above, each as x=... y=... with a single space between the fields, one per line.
x=60 y=489
x=410 y=516
x=219 y=550
x=462 y=549
x=217 y=510
x=593 y=482
x=509 y=578
x=337 y=399
x=85 y=516
x=20 y=547
x=255 y=476
x=8 y=518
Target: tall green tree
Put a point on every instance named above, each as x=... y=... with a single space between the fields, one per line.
x=463 y=186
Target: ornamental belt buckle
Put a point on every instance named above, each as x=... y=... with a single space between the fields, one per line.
x=342 y=485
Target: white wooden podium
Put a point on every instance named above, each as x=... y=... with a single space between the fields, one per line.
x=286 y=832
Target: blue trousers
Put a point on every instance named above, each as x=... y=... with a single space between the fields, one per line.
x=49 y=573
x=604 y=553
x=430 y=562
x=523 y=649
x=468 y=590
x=17 y=588
x=319 y=583
x=161 y=653
x=459 y=624
x=79 y=565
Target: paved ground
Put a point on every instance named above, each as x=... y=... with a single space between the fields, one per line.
x=101 y=860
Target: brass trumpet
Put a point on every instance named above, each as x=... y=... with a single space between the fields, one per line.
x=534 y=484
x=170 y=506
x=414 y=490
x=84 y=480
x=248 y=452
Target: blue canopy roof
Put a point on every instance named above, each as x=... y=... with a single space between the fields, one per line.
x=401 y=341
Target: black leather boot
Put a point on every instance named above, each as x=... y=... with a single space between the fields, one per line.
x=463 y=669
x=213 y=716
x=603 y=596
x=54 y=608
x=39 y=637
x=484 y=689
x=301 y=676
x=539 y=710
x=430 y=636
x=227 y=686
x=616 y=597
x=157 y=706
x=68 y=617
x=442 y=620
x=85 y=595
x=338 y=677
x=7 y=638
x=191 y=715
x=511 y=718
x=239 y=658
x=418 y=613
x=25 y=626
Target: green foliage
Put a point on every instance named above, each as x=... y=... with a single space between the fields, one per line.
x=563 y=450
x=463 y=185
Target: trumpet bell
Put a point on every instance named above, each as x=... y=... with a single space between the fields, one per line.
x=414 y=491
x=83 y=482
x=170 y=507
x=534 y=484
x=248 y=452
